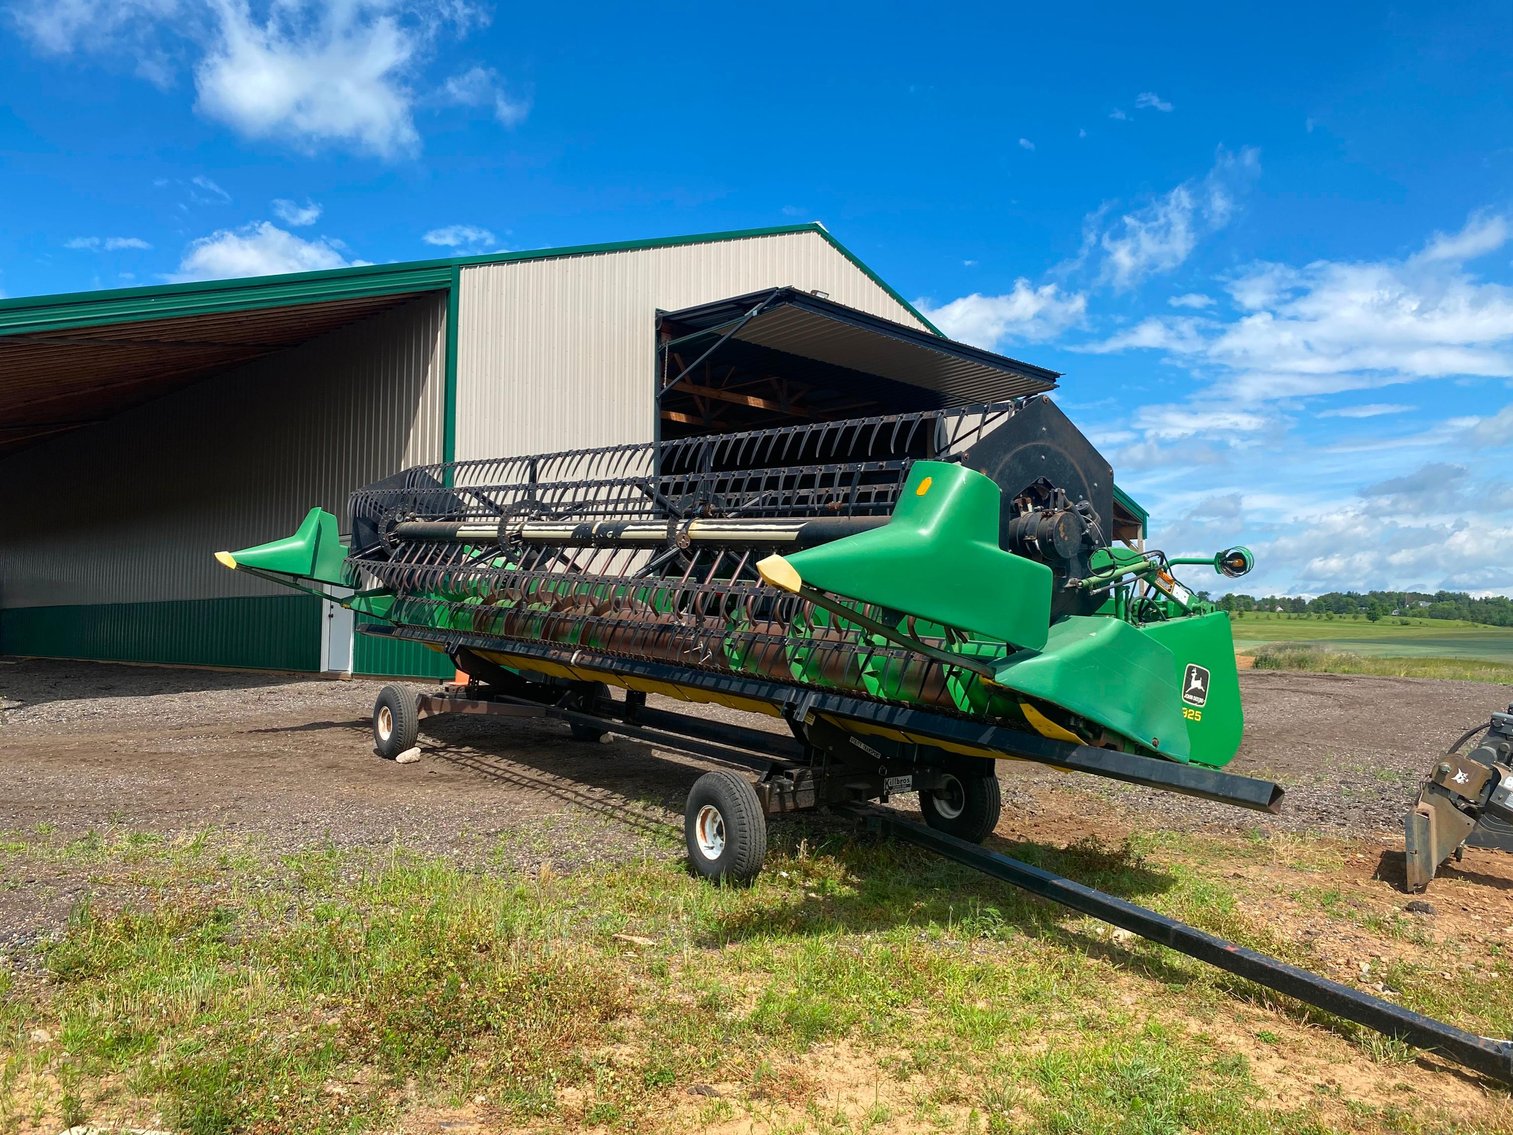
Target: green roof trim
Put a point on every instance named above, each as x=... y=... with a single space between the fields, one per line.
x=1133 y=507
x=30 y=314
x=878 y=280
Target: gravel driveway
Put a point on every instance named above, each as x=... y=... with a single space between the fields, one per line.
x=289 y=762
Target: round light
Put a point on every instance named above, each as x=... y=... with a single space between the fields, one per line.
x=1234 y=562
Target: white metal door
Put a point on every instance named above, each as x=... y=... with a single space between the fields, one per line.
x=336 y=648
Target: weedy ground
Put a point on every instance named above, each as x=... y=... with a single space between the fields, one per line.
x=1401 y=637
x=1313 y=658
x=206 y=984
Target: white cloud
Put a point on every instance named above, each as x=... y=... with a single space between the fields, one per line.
x=127 y=29
x=1262 y=285
x=1482 y=233
x=1366 y=410
x=481 y=86
x=1157 y=237
x=1320 y=525
x=1181 y=335
x=259 y=249
x=304 y=73
x=1026 y=144
x=1026 y=313
x=1195 y=300
x=1372 y=494
x=1334 y=326
x=461 y=237
x=1372 y=543
x=310 y=76
x=295 y=214
x=215 y=194
x=1117 y=115
x=106 y=243
x=1497 y=430
x=1149 y=100
x=1173 y=422
x=1161 y=235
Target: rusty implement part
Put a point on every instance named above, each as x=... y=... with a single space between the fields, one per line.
x=1467 y=799
x=1432 y=832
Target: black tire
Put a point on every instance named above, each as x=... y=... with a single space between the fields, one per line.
x=724 y=828
x=966 y=805
x=396 y=720
x=590 y=702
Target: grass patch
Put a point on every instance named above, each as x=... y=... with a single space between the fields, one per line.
x=856 y=987
x=245 y=1016
x=1311 y=657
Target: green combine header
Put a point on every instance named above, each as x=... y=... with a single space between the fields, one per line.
x=916 y=596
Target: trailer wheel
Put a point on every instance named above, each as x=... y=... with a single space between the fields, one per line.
x=965 y=805
x=396 y=720
x=590 y=702
x=725 y=829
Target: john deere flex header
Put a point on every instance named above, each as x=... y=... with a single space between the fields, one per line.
x=915 y=595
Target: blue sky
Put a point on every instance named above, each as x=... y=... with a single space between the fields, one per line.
x=1271 y=247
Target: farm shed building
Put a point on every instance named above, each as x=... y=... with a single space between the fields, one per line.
x=143 y=429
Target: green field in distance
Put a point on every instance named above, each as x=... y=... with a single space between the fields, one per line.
x=1420 y=638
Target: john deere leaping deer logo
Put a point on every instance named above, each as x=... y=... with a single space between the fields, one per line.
x=1195 y=685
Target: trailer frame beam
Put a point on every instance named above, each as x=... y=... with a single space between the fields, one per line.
x=1492 y=1058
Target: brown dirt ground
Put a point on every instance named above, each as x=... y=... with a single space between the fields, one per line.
x=289 y=761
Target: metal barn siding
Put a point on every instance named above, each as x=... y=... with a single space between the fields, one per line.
x=560 y=353
x=115 y=524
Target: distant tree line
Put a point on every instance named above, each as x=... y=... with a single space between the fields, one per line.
x=1494 y=610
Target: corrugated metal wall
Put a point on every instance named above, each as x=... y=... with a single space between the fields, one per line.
x=560 y=354
x=105 y=550
x=129 y=511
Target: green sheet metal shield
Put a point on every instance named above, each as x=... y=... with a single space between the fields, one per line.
x=1110 y=672
x=937 y=558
